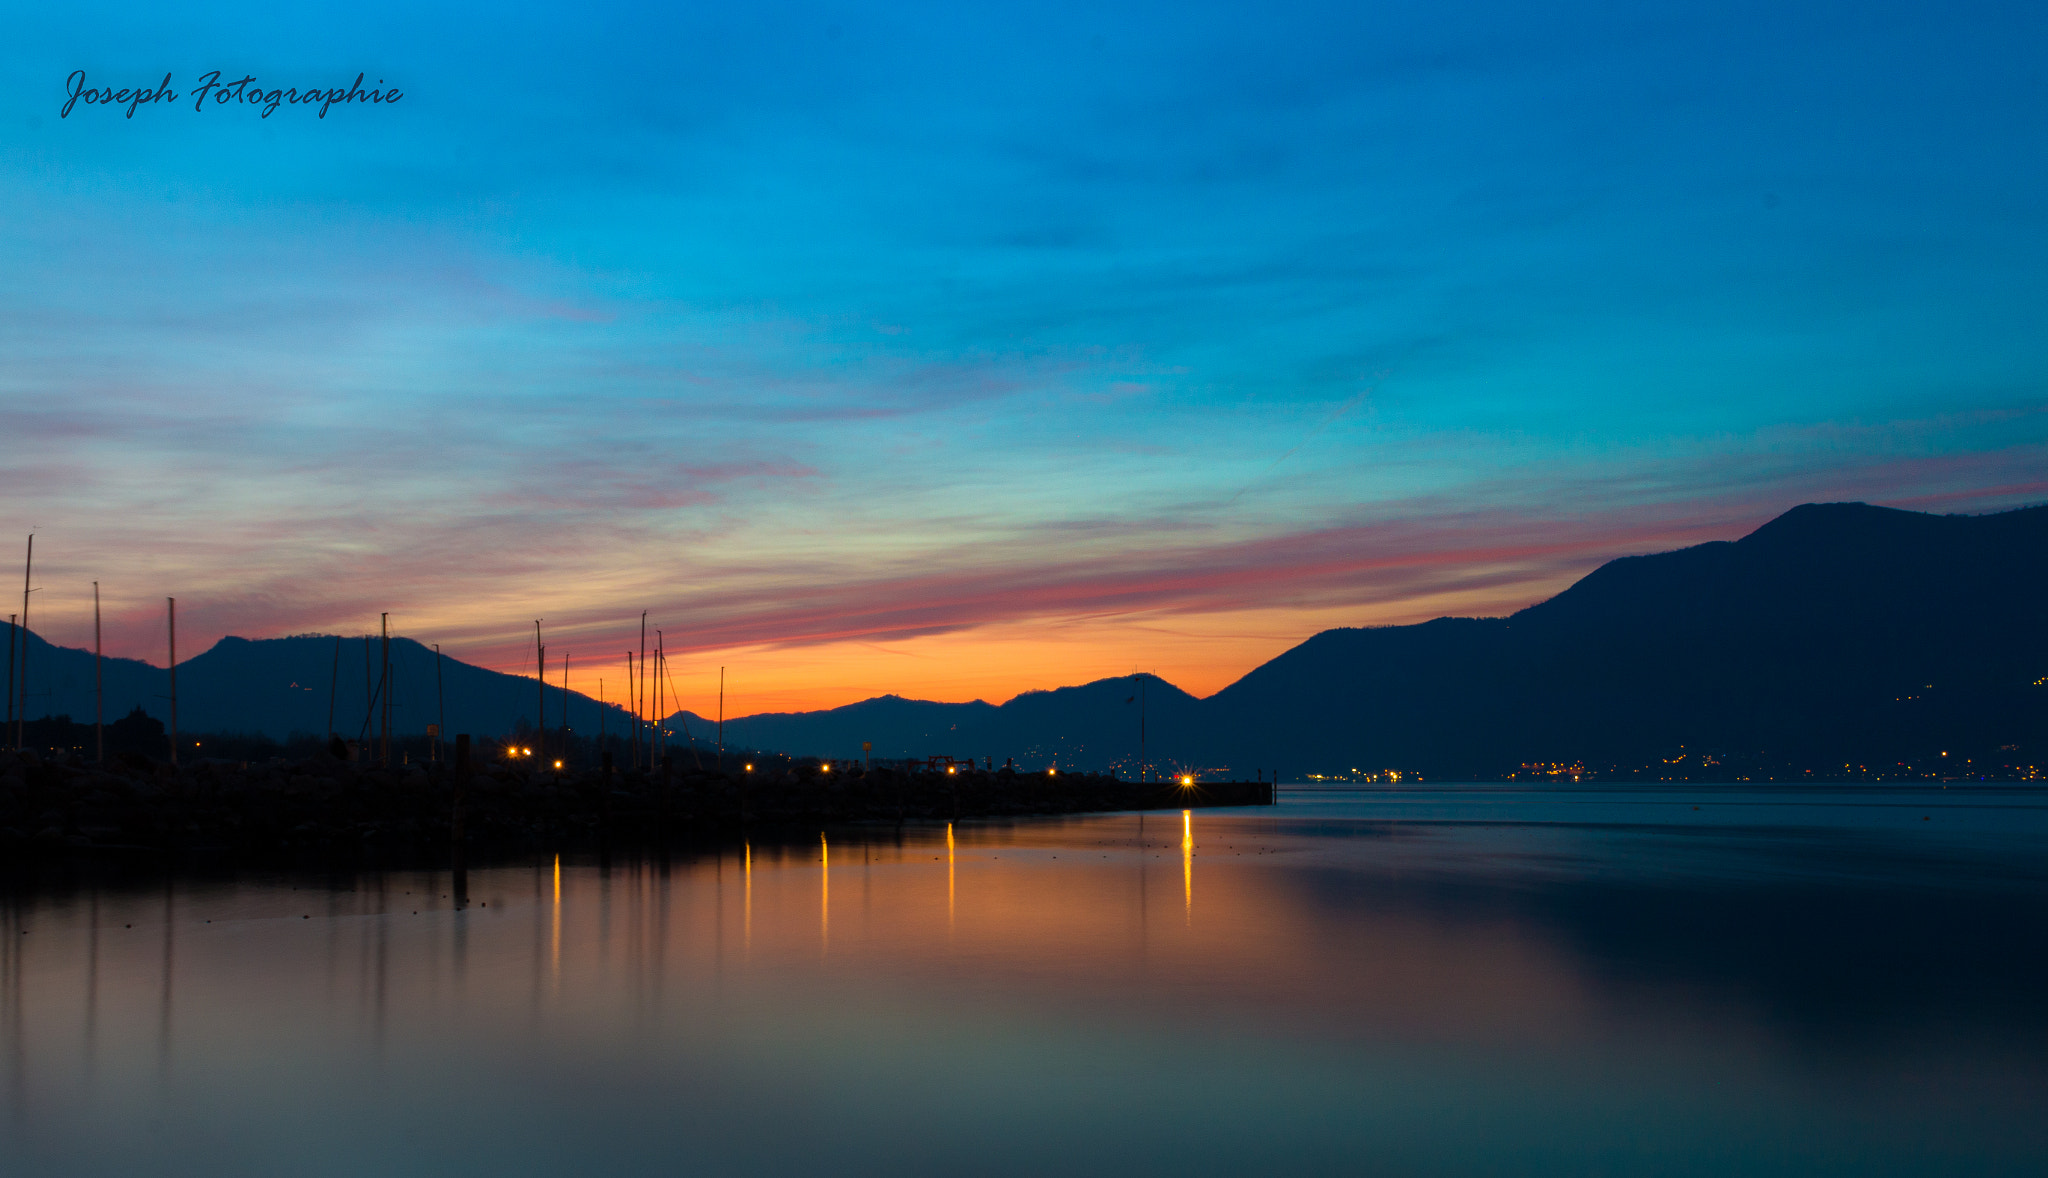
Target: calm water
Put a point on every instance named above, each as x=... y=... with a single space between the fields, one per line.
x=1427 y=981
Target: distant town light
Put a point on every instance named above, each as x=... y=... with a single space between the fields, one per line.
x=1186 y=781
x=950 y=769
x=750 y=768
x=558 y=764
x=825 y=768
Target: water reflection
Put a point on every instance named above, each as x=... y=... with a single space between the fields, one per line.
x=1799 y=984
x=170 y=928
x=1187 y=861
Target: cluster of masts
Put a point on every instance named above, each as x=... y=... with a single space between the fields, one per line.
x=17 y=669
x=647 y=743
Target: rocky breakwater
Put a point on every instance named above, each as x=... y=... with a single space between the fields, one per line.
x=64 y=805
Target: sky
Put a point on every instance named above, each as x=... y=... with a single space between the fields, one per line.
x=962 y=350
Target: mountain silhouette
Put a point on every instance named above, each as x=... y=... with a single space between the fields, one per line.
x=1837 y=636
x=280 y=686
x=1836 y=633
x=1093 y=726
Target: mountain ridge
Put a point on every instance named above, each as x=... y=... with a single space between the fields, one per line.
x=1832 y=631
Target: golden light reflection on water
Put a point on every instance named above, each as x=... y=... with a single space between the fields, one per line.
x=1057 y=908
x=310 y=1007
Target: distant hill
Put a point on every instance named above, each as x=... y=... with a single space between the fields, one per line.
x=1835 y=634
x=280 y=686
x=1094 y=726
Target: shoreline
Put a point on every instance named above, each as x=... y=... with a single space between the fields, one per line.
x=320 y=807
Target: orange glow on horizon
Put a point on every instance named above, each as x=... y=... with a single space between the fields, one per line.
x=1201 y=653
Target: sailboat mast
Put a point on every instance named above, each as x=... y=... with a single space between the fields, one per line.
x=369 y=699
x=440 y=704
x=21 y=717
x=565 y=706
x=384 y=690
x=540 y=690
x=643 y=674
x=333 y=689
x=99 y=685
x=13 y=635
x=172 y=613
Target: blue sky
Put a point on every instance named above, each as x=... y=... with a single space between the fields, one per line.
x=958 y=351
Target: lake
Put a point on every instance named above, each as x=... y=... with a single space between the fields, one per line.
x=1399 y=980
